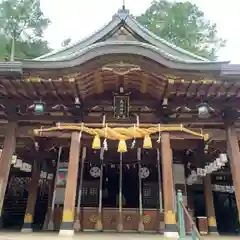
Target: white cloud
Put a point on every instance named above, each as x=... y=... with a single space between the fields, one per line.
x=78 y=19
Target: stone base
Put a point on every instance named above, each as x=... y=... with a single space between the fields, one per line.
x=26 y=230
x=50 y=226
x=140 y=227
x=213 y=233
x=98 y=225
x=172 y=235
x=120 y=227
x=77 y=225
x=66 y=233
x=212 y=230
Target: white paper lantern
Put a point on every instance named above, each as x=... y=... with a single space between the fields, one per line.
x=18 y=163
x=218 y=163
x=199 y=171
x=223 y=158
x=193 y=173
x=50 y=176
x=215 y=168
x=43 y=175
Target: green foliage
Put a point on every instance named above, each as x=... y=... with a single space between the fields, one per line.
x=23 y=21
x=183 y=24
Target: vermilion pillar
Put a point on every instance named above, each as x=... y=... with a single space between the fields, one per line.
x=234 y=155
x=32 y=197
x=71 y=186
x=168 y=186
x=6 y=160
x=212 y=224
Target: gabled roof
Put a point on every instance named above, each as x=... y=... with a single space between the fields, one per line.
x=122 y=19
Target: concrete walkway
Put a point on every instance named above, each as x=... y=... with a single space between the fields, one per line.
x=94 y=236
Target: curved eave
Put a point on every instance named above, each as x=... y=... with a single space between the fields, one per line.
x=123 y=47
x=14 y=67
x=95 y=37
x=123 y=17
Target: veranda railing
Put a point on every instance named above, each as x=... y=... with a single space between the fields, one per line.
x=182 y=212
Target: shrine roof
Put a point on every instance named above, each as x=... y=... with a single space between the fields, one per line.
x=122 y=20
x=123 y=35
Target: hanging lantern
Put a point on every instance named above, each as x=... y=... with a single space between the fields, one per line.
x=96 y=144
x=39 y=107
x=147 y=142
x=203 y=110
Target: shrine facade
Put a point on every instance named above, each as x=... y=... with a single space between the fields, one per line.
x=100 y=136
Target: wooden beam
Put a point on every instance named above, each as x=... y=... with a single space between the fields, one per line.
x=144 y=83
x=98 y=82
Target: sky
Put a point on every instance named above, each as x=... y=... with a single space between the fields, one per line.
x=78 y=19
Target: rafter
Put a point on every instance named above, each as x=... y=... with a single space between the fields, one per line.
x=98 y=82
x=144 y=83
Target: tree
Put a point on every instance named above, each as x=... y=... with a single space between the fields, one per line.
x=22 y=22
x=183 y=24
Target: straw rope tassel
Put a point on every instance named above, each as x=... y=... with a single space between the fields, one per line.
x=99 y=224
x=51 y=212
x=120 y=219
x=140 y=222
x=159 y=186
x=77 y=223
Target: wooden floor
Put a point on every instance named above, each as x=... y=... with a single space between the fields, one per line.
x=96 y=236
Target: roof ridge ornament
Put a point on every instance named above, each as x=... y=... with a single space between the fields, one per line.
x=124 y=5
x=123 y=12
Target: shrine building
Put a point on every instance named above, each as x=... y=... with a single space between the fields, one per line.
x=102 y=134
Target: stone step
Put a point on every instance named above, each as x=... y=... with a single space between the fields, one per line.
x=97 y=236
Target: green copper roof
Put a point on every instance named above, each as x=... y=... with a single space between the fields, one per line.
x=124 y=19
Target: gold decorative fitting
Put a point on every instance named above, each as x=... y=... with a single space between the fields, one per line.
x=71 y=79
x=147 y=219
x=171 y=81
x=121 y=68
x=93 y=219
x=206 y=81
x=34 y=79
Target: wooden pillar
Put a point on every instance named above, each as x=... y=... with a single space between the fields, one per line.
x=168 y=185
x=71 y=187
x=32 y=197
x=234 y=155
x=211 y=217
x=6 y=159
